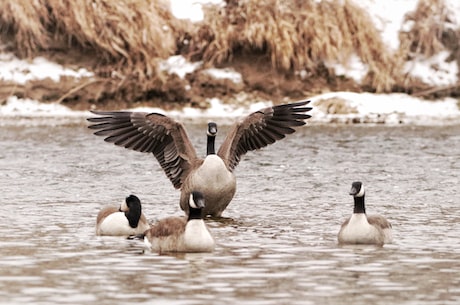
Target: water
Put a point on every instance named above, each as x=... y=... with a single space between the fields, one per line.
x=277 y=243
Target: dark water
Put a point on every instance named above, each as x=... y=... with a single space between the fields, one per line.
x=277 y=244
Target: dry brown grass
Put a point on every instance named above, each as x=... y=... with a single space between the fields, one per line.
x=134 y=34
x=430 y=31
x=297 y=35
x=27 y=22
x=126 y=39
x=428 y=25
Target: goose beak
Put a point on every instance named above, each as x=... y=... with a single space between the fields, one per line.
x=212 y=129
x=200 y=203
x=353 y=191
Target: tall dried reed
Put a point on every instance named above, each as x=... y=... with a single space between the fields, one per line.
x=428 y=22
x=132 y=33
x=297 y=35
x=131 y=36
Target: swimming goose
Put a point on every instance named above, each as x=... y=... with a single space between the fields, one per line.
x=181 y=234
x=363 y=229
x=127 y=219
x=168 y=141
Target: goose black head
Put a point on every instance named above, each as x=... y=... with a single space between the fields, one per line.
x=196 y=200
x=124 y=206
x=357 y=189
x=132 y=200
x=196 y=205
x=212 y=129
x=134 y=210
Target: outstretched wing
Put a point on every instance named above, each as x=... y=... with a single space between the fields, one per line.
x=260 y=129
x=153 y=133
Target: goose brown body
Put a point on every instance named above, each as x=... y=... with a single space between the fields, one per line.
x=182 y=234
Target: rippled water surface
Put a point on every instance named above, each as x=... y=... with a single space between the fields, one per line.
x=277 y=243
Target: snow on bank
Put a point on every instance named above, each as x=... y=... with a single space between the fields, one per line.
x=365 y=107
x=16 y=107
x=390 y=109
x=18 y=111
x=387 y=108
x=21 y=71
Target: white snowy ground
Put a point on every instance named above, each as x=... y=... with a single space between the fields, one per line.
x=386 y=108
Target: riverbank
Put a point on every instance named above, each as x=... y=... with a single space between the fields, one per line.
x=39 y=71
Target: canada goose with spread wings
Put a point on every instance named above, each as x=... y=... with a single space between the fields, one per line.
x=168 y=141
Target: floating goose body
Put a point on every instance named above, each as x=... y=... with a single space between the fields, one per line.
x=181 y=234
x=168 y=141
x=128 y=219
x=213 y=179
x=363 y=229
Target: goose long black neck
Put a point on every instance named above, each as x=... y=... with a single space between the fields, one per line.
x=194 y=214
x=133 y=215
x=359 y=205
x=212 y=131
x=210 y=148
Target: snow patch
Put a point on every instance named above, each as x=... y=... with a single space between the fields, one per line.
x=192 y=10
x=227 y=73
x=21 y=71
x=390 y=108
x=179 y=65
x=434 y=70
x=354 y=69
x=15 y=106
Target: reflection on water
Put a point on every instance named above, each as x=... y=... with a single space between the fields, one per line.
x=277 y=244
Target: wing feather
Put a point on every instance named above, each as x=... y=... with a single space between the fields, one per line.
x=379 y=221
x=153 y=133
x=262 y=128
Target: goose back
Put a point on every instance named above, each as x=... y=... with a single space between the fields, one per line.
x=110 y=221
x=128 y=219
x=180 y=234
x=176 y=234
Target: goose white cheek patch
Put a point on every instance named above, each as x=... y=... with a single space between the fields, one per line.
x=361 y=192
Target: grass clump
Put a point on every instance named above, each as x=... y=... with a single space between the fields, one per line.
x=297 y=35
x=427 y=25
x=281 y=47
x=131 y=34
